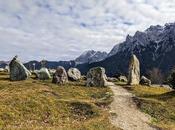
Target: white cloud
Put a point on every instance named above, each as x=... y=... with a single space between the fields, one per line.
x=62 y=29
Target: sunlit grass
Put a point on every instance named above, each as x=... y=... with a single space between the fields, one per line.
x=41 y=105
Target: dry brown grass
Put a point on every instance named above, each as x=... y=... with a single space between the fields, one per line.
x=41 y=105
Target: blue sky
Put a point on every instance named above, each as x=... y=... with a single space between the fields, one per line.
x=63 y=29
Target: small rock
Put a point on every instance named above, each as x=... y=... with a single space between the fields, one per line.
x=122 y=78
x=112 y=79
x=83 y=77
x=145 y=81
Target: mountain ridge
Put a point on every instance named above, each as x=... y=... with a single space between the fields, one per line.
x=153 y=47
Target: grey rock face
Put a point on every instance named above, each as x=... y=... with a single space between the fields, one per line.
x=74 y=74
x=96 y=77
x=90 y=57
x=43 y=74
x=60 y=76
x=145 y=81
x=114 y=50
x=134 y=71
x=17 y=70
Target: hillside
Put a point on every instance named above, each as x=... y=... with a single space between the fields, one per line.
x=154 y=48
x=41 y=105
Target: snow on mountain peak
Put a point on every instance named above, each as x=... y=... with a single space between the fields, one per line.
x=90 y=56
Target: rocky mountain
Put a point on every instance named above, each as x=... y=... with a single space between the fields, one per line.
x=154 y=48
x=87 y=57
x=90 y=57
x=114 y=50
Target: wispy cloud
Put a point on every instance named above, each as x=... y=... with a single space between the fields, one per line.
x=62 y=29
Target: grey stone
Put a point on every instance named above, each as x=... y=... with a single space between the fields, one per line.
x=96 y=77
x=122 y=78
x=74 y=74
x=134 y=71
x=43 y=74
x=83 y=77
x=18 y=71
x=145 y=81
x=112 y=79
x=60 y=76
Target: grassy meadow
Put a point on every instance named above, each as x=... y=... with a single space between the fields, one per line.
x=41 y=105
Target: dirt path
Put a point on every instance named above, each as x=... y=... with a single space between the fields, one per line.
x=125 y=113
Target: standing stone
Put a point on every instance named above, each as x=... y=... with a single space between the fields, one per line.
x=17 y=70
x=74 y=74
x=60 y=76
x=43 y=74
x=96 y=77
x=134 y=71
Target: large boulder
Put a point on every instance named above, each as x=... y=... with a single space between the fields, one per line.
x=60 y=76
x=145 y=81
x=74 y=74
x=134 y=71
x=43 y=74
x=17 y=70
x=96 y=77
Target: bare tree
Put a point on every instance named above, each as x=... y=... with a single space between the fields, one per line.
x=156 y=76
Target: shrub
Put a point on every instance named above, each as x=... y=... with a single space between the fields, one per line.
x=156 y=76
x=171 y=79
